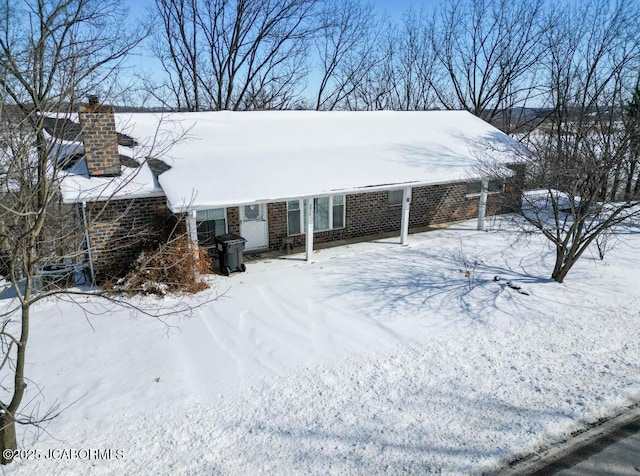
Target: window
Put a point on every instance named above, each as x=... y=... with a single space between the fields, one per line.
x=475 y=188
x=294 y=217
x=328 y=214
x=210 y=223
x=395 y=197
x=496 y=186
x=338 y=211
x=321 y=219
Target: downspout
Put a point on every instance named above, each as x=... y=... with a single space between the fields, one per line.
x=86 y=237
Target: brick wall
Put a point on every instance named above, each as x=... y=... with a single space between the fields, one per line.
x=233 y=220
x=371 y=214
x=277 y=220
x=120 y=229
x=514 y=186
x=100 y=140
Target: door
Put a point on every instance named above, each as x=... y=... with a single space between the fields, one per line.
x=254 y=227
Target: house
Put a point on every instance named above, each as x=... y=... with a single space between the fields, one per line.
x=279 y=177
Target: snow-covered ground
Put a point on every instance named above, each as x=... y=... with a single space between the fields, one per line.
x=373 y=359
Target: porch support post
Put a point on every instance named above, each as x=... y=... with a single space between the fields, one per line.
x=482 y=207
x=309 y=234
x=192 y=229
x=406 y=206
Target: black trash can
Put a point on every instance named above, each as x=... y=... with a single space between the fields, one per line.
x=230 y=248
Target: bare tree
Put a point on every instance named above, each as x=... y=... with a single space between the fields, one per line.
x=51 y=53
x=632 y=126
x=414 y=63
x=176 y=43
x=487 y=51
x=232 y=55
x=346 y=49
x=400 y=69
x=374 y=89
x=580 y=151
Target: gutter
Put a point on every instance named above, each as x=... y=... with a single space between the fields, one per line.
x=106 y=198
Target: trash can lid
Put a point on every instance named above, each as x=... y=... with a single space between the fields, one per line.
x=230 y=239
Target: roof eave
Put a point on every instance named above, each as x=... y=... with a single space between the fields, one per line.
x=80 y=199
x=346 y=191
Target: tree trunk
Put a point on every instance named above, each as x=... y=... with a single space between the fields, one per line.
x=631 y=172
x=562 y=266
x=8 y=439
x=560 y=273
x=616 y=181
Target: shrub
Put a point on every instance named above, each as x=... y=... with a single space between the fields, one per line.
x=174 y=266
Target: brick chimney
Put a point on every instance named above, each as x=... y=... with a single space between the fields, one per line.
x=100 y=138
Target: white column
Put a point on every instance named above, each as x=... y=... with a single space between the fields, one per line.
x=309 y=235
x=482 y=207
x=192 y=228
x=406 y=206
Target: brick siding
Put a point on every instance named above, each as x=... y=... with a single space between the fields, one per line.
x=233 y=220
x=370 y=213
x=120 y=229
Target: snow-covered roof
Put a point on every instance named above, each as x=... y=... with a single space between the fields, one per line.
x=227 y=158
x=134 y=182
x=76 y=185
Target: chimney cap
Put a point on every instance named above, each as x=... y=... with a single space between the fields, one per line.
x=94 y=99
